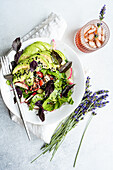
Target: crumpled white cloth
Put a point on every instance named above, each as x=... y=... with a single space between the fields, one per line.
x=53 y=27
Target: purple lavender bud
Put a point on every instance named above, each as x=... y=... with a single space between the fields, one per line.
x=91 y=101
x=100 y=106
x=94 y=102
x=93 y=109
x=93 y=113
x=104 y=103
x=88 y=78
x=76 y=112
x=94 y=94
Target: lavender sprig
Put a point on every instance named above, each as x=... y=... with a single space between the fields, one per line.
x=89 y=103
x=102 y=12
x=93 y=113
x=101 y=17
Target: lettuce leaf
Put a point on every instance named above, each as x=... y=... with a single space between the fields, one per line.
x=25 y=95
x=37 y=97
x=55 y=73
x=55 y=100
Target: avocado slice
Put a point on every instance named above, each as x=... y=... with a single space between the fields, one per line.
x=46 y=54
x=21 y=66
x=29 y=79
x=42 y=62
x=30 y=50
x=39 y=45
x=46 y=45
x=20 y=75
x=34 y=48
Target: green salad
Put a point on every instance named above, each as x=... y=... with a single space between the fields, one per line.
x=42 y=76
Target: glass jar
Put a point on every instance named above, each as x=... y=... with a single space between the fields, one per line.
x=90 y=38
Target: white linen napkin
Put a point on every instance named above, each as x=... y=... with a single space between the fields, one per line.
x=53 y=27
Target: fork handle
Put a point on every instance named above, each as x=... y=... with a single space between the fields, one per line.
x=21 y=111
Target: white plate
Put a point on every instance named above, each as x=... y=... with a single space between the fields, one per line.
x=63 y=111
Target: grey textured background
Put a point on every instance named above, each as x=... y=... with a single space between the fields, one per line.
x=16 y=151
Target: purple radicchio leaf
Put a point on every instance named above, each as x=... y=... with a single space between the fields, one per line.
x=56 y=56
x=49 y=88
x=14 y=64
x=41 y=110
x=39 y=103
x=33 y=65
x=16 y=44
x=65 y=67
x=67 y=89
x=17 y=56
x=19 y=92
x=41 y=114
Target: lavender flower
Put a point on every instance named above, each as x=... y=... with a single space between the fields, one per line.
x=102 y=12
x=102 y=91
x=90 y=102
x=101 y=17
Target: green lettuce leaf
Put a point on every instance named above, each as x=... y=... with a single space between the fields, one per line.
x=37 y=97
x=54 y=101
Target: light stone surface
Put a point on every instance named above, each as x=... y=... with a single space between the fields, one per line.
x=16 y=151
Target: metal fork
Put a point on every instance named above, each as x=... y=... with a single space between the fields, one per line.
x=7 y=69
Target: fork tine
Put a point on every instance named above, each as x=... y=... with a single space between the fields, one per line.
x=3 y=66
x=6 y=59
x=10 y=66
x=6 y=65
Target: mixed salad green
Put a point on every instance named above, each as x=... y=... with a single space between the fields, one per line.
x=42 y=76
